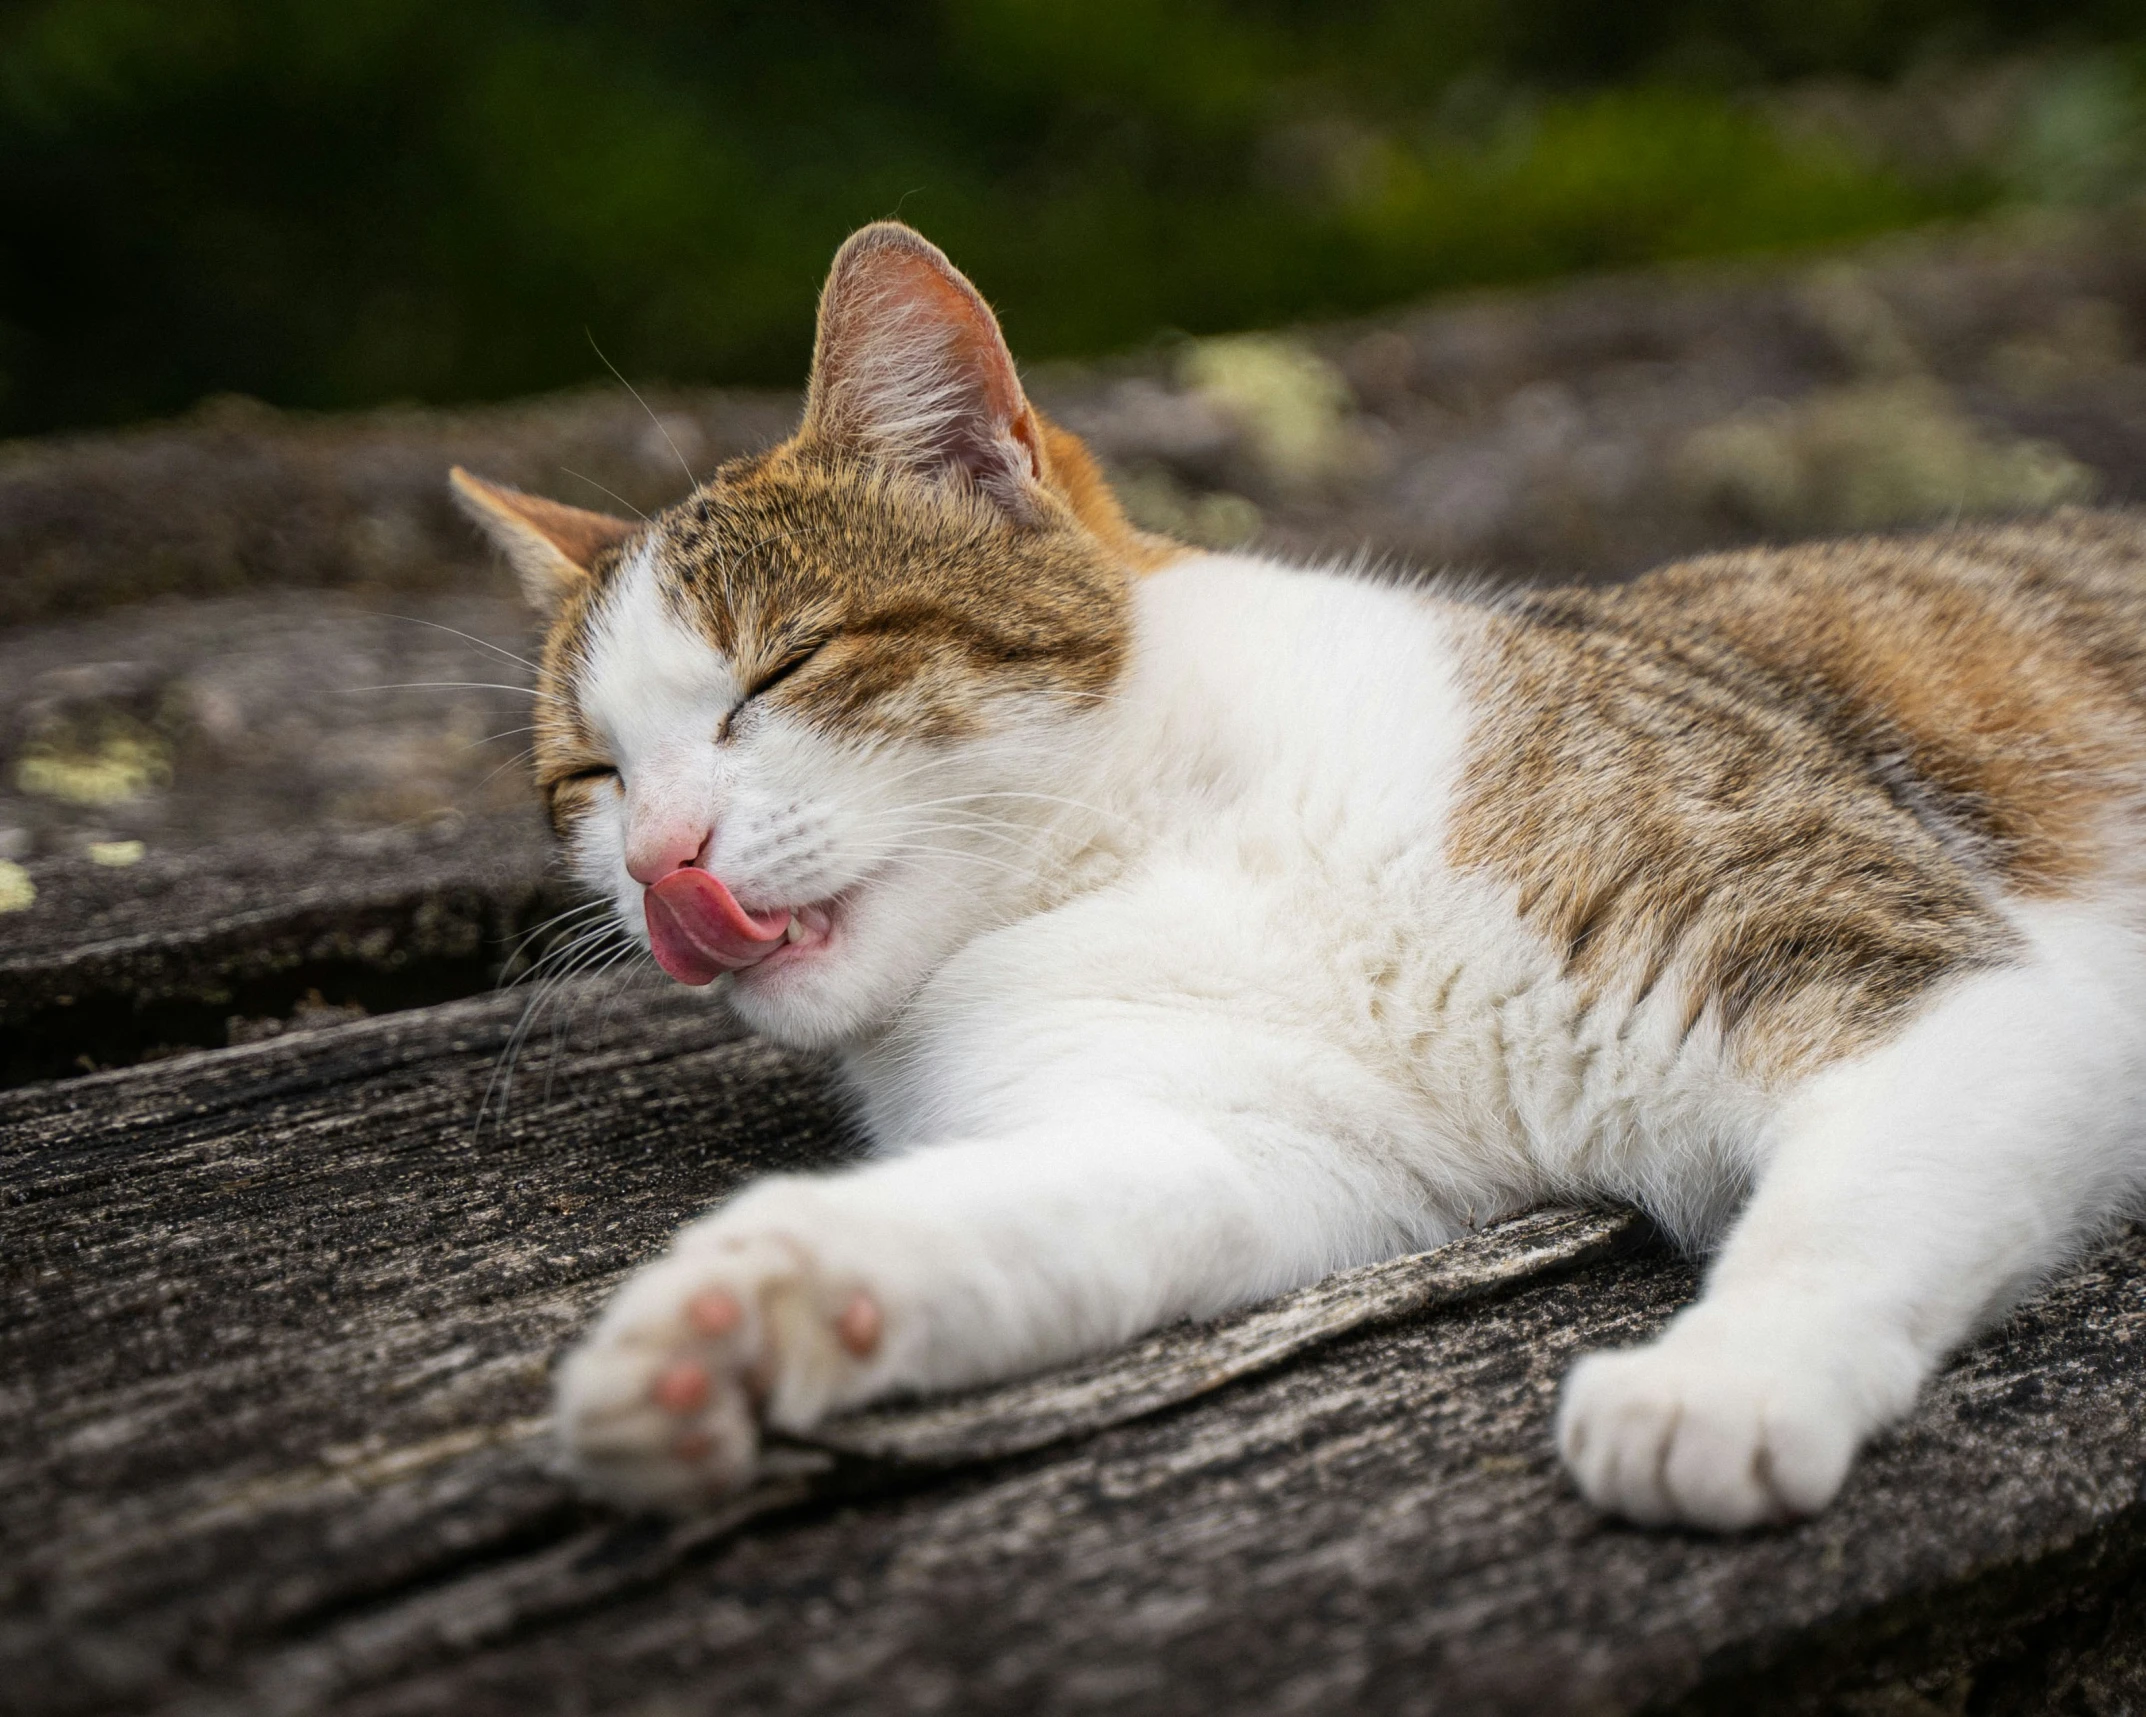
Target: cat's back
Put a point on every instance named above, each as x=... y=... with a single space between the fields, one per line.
x=1809 y=779
x=1993 y=680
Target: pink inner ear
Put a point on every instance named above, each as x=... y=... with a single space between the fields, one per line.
x=578 y=534
x=911 y=359
x=975 y=349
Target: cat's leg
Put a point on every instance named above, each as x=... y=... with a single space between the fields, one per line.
x=950 y=1264
x=1911 y=1196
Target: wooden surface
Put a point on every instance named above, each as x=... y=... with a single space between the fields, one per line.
x=113 y=966
x=276 y=1333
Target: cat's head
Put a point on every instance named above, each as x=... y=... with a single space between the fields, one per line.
x=794 y=726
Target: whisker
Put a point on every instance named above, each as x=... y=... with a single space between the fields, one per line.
x=563 y=1022
x=613 y=493
x=619 y=970
x=507 y=733
x=884 y=847
x=1015 y=793
x=618 y=984
x=444 y=686
x=692 y=482
x=580 y=910
x=1035 y=840
x=481 y=643
x=585 y=936
x=503 y=1071
x=522 y=755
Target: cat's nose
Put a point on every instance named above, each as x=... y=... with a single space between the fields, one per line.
x=652 y=855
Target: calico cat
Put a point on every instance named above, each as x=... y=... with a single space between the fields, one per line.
x=1190 y=925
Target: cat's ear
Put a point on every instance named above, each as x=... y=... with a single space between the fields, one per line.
x=910 y=367
x=551 y=546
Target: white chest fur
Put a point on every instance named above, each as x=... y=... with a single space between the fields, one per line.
x=1282 y=934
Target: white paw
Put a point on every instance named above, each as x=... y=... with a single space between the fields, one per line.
x=662 y=1403
x=1706 y=1428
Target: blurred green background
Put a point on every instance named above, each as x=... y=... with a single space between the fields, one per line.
x=329 y=203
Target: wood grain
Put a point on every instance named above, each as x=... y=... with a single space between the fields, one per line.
x=275 y=1338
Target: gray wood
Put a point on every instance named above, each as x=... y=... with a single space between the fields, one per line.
x=276 y=1334
x=1178 y=1364
x=190 y=946
x=192 y=924
x=278 y=1315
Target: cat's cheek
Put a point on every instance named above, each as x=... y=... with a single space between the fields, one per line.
x=595 y=845
x=836 y=988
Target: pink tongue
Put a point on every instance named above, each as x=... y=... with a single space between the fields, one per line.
x=698 y=931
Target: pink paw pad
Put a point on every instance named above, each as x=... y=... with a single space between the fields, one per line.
x=679 y=1387
x=859 y=1325
x=713 y=1312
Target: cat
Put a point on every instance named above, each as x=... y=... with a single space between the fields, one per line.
x=1189 y=925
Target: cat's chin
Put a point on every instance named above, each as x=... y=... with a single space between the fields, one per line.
x=812 y=936
x=806 y=993
x=863 y=954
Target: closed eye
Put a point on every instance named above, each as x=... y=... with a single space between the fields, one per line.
x=783 y=669
x=774 y=677
x=594 y=773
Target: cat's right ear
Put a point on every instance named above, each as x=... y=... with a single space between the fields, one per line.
x=910 y=368
x=551 y=546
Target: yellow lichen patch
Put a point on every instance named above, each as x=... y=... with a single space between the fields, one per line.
x=1869 y=456
x=17 y=892
x=1293 y=407
x=100 y=762
x=116 y=855
x=1155 y=501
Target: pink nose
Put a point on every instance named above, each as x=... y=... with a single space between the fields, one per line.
x=653 y=856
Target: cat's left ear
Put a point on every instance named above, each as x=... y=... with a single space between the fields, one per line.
x=910 y=367
x=550 y=545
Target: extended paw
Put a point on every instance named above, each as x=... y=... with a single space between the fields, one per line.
x=1706 y=1431
x=663 y=1402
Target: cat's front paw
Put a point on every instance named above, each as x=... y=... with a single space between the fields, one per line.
x=662 y=1404
x=1706 y=1428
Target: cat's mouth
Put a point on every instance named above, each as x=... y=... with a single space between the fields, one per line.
x=698 y=931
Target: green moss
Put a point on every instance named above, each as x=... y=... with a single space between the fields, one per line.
x=333 y=202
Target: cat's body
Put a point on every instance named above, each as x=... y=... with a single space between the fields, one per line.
x=1190 y=926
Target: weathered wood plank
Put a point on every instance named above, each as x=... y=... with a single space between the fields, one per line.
x=113 y=964
x=268 y=1308
x=1379 y=1528
x=275 y=1338
x=194 y=924
x=240 y=495
x=1178 y=1364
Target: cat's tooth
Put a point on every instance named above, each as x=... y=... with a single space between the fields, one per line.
x=795 y=932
